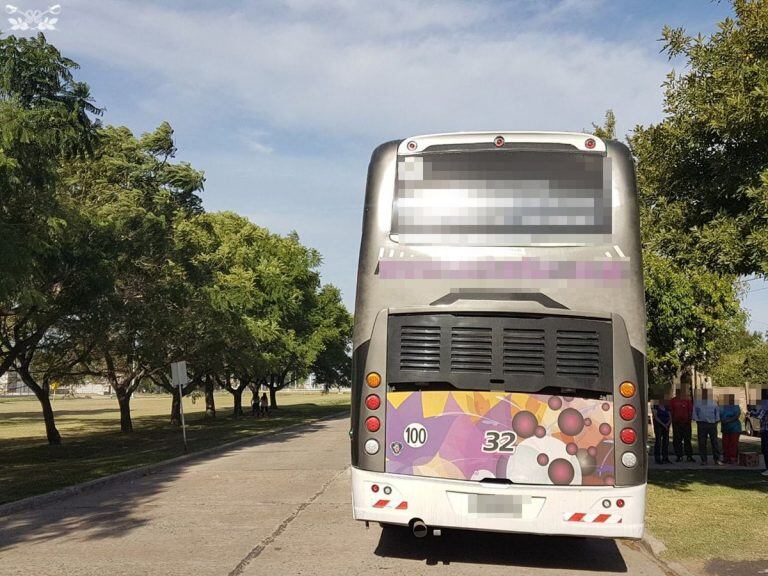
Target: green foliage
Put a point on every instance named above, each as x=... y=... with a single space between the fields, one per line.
x=730 y=369
x=703 y=170
x=45 y=118
x=756 y=365
x=608 y=129
x=112 y=267
x=333 y=365
x=691 y=314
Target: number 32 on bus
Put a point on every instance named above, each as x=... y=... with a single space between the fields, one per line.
x=499 y=344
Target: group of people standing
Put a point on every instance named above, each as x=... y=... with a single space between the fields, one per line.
x=260 y=406
x=679 y=412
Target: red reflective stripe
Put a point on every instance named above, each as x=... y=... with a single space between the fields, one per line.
x=402 y=506
x=381 y=503
x=576 y=517
x=602 y=517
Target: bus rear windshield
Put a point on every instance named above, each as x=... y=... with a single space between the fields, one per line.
x=500 y=197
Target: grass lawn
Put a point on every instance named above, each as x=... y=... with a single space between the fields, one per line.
x=708 y=516
x=93 y=445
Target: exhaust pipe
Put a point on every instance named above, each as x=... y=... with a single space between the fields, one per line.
x=418 y=528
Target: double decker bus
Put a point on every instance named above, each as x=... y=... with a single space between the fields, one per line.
x=499 y=339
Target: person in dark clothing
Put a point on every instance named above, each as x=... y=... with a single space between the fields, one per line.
x=255 y=404
x=264 y=405
x=681 y=407
x=763 y=415
x=662 y=420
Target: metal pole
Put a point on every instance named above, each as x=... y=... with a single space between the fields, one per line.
x=181 y=410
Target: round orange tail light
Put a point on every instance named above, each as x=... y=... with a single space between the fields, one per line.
x=627 y=389
x=373 y=379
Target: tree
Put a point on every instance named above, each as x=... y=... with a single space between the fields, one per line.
x=50 y=271
x=133 y=192
x=703 y=170
x=608 y=129
x=333 y=364
x=756 y=366
x=691 y=314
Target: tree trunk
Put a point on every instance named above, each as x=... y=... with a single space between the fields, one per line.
x=210 y=405
x=124 y=401
x=272 y=397
x=238 y=394
x=54 y=438
x=175 y=408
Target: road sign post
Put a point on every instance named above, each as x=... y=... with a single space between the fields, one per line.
x=179 y=379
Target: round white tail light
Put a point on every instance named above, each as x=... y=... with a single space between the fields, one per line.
x=371 y=446
x=629 y=459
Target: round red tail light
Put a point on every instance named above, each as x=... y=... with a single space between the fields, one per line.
x=620 y=503
x=627 y=436
x=372 y=424
x=374 y=487
x=590 y=143
x=627 y=412
x=498 y=141
x=372 y=402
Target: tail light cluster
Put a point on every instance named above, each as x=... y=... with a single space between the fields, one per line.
x=628 y=414
x=372 y=403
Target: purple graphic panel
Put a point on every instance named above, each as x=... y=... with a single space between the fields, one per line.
x=527 y=438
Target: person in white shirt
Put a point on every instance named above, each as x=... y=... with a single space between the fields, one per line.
x=706 y=412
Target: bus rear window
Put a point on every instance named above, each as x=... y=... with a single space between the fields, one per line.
x=499 y=197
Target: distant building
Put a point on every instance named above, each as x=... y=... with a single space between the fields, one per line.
x=12 y=385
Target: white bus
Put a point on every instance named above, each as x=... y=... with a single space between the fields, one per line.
x=499 y=341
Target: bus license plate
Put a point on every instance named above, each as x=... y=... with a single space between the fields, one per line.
x=509 y=506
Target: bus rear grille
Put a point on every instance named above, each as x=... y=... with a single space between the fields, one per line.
x=523 y=351
x=578 y=353
x=420 y=348
x=483 y=352
x=471 y=349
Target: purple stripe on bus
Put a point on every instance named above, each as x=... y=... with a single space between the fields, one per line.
x=528 y=268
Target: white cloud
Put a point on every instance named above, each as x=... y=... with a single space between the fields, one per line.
x=260 y=92
x=253 y=140
x=369 y=69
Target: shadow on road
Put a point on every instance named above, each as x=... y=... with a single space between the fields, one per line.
x=472 y=547
x=112 y=510
x=720 y=567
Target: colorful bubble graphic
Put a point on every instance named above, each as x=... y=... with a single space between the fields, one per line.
x=570 y=421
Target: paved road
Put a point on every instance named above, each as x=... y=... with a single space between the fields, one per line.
x=279 y=506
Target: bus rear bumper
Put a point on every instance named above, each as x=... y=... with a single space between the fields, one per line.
x=596 y=511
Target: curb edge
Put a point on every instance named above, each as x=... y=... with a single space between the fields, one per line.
x=655 y=548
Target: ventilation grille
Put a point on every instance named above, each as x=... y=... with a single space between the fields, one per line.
x=523 y=351
x=471 y=349
x=420 y=348
x=578 y=353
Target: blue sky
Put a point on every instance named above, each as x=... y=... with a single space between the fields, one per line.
x=281 y=102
